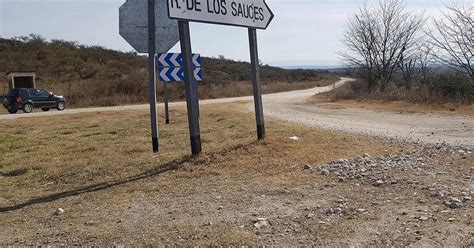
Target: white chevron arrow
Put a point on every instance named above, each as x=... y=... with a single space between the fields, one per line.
x=161 y=59
x=196 y=74
x=196 y=60
x=174 y=61
x=175 y=75
x=163 y=76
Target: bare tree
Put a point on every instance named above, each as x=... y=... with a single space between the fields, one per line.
x=409 y=70
x=453 y=38
x=378 y=38
x=416 y=65
x=426 y=60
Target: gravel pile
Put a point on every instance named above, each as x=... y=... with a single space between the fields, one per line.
x=373 y=169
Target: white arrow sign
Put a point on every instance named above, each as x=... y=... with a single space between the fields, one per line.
x=244 y=13
x=133 y=26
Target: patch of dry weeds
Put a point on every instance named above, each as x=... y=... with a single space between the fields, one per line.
x=398 y=106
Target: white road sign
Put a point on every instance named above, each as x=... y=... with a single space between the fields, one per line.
x=133 y=26
x=244 y=13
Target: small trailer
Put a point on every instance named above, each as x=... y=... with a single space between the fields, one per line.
x=21 y=79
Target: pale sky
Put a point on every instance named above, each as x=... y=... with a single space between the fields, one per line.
x=303 y=32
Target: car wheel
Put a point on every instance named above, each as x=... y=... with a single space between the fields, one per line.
x=61 y=106
x=45 y=109
x=12 y=111
x=28 y=108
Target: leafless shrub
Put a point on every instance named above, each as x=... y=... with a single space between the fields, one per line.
x=416 y=67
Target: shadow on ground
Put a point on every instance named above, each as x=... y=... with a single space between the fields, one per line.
x=170 y=166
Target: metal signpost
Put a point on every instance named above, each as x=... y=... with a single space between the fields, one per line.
x=144 y=24
x=257 y=89
x=170 y=70
x=192 y=98
x=253 y=14
x=152 y=75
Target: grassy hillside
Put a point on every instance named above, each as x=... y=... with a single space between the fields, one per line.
x=95 y=76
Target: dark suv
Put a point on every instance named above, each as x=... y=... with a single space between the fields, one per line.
x=27 y=99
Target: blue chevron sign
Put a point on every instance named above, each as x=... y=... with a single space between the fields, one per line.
x=170 y=67
x=173 y=74
x=175 y=60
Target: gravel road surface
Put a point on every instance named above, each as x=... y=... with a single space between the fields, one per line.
x=428 y=128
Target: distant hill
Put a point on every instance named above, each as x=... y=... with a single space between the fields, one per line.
x=307 y=64
x=312 y=67
x=92 y=75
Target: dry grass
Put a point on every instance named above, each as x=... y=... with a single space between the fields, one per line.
x=354 y=96
x=399 y=106
x=99 y=168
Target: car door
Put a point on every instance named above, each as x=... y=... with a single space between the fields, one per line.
x=35 y=97
x=46 y=99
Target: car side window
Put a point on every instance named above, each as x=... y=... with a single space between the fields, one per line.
x=34 y=92
x=43 y=93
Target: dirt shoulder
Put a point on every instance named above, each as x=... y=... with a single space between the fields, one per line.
x=98 y=168
x=397 y=106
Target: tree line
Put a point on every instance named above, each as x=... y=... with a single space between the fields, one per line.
x=389 y=46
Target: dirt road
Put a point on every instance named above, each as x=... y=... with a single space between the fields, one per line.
x=421 y=127
x=294 y=107
x=290 y=96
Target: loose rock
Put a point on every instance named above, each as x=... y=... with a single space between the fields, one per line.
x=58 y=211
x=453 y=204
x=334 y=211
x=260 y=223
x=424 y=218
x=379 y=183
